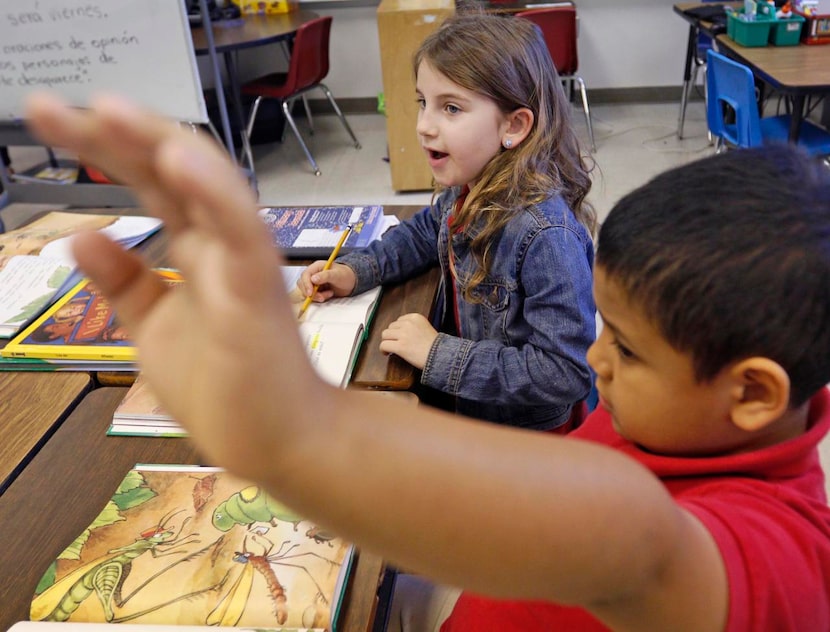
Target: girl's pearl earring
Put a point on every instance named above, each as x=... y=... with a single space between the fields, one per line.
x=507 y=143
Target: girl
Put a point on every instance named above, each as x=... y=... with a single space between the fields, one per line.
x=509 y=227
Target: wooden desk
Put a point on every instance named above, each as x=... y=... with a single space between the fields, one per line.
x=795 y=71
x=31 y=408
x=68 y=482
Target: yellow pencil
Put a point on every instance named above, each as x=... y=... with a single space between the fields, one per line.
x=332 y=257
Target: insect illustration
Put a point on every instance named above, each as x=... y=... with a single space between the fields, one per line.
x=251 y=505
x=320 y=536
x=105 y=576
x=203 y=490
x=232 y=605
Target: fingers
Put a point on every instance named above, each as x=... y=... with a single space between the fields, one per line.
x=122 y=276
x=304 y=283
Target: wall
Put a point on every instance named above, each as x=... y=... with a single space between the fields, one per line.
x=638 y=44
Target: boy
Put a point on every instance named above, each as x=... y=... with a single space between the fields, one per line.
x=692 y=500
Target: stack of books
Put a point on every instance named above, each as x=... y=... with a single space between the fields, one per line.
x=80 y=331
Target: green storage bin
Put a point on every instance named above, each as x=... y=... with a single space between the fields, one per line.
x=786 y=31
x=748 y=33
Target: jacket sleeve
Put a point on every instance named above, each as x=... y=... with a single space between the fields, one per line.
x=548 y=366
x=404 y=251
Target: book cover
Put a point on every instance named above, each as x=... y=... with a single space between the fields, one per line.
x=81 y=325
x=312 y=232
x=196 y=546
x=36 y=264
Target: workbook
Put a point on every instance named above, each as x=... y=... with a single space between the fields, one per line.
x=312 y=232
x=196 y=546
x=334 y=331
x=36 y=265
x=80 y=326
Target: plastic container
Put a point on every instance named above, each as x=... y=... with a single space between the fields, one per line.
x=748 y=33
x=786 y=31
x=816 y=28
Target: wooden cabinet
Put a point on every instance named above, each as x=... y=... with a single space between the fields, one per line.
x=402 y=26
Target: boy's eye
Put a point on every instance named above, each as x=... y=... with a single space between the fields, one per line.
x=624 y=351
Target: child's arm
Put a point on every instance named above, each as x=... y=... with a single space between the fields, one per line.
x=506 y=512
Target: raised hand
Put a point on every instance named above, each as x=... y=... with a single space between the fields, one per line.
x=203 y=348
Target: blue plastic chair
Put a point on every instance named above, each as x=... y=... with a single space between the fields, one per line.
x=731 y=83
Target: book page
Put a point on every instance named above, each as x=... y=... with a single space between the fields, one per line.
x=348 y=309
x=332 y=349
x=32 y=238
x=28 y=284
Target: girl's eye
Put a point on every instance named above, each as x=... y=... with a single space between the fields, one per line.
x=452 y=109
x=421 y=102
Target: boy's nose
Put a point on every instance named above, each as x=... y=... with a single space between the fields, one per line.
x=596 y=359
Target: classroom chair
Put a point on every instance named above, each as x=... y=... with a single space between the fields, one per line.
x=559 y=28
x=732 y=111
x=308 y=66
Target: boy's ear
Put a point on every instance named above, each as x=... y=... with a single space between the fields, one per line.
x=760 y=393
x=519 y=124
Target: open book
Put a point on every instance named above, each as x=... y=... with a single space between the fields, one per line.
x=333 y=331
x=191 y=545
x=312 y=232
x=80 y=326
x=36 y=265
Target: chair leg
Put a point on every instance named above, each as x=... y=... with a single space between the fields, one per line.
x=308 y=115
x=587 y=111
x=252 y=117
x=342 y=118
x=286 y=110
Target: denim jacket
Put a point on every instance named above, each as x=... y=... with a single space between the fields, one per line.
x=520 y=356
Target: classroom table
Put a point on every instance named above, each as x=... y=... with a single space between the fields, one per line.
x=33 y=405
x=249 y=31
x=69 y=480
x=797 y=72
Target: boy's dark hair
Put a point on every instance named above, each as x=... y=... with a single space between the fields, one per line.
x=729 y=257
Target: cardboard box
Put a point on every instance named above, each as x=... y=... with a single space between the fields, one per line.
x=402 y=26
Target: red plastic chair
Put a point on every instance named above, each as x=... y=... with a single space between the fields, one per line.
x=308 y=66
x=559 y=29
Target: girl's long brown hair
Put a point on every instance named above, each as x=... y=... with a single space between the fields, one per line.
x=506 y=59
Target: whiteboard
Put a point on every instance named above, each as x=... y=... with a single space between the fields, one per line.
x=141 y=49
